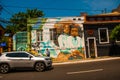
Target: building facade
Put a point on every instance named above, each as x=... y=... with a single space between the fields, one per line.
x=70 y=38
x=63 y=36
x=97 y=30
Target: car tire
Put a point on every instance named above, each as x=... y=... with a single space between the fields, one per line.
x=39 y=66
x=4 y=68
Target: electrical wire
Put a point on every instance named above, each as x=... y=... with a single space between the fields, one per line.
x=52 y=8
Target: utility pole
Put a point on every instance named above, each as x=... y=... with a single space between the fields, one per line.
x=104 y=11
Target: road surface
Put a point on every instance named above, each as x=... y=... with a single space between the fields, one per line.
x=98 y=70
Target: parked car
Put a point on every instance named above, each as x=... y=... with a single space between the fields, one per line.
x=21 y=59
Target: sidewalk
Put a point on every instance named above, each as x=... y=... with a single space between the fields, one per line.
x=86 y=60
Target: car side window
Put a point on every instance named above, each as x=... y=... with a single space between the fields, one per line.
x=17 y=55
x=23 y=55
x=11 y=55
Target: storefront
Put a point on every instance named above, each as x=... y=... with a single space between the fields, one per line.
x=97 y=30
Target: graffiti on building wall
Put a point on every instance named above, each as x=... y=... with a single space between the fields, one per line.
x=62 y=36
x=20 y=41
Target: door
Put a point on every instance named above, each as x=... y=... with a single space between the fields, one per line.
x=92 y=49
x=24 y=60
x=19 y=59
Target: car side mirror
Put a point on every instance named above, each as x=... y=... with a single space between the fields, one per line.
x=30 y=57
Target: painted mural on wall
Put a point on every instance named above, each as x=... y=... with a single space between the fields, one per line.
x=62 y=36
x=20 y=41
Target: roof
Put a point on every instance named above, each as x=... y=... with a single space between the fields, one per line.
x=110 y=14
x=105 y=14
x=102 y=22
x=117 y=9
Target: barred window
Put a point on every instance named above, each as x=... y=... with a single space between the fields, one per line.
x=53 y=34
x=103 y=35
x=39 y=35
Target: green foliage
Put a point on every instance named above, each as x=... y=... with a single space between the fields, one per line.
x=115 y=34
x=34 y=13
x=19 y=20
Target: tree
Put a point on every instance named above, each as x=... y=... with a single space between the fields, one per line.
x=19 y=20
x=34 y=13
x=115 y=34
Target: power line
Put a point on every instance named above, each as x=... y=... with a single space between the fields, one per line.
x=52 y=8
x=6 y=9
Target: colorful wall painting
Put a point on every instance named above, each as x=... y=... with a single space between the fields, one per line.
x=63 y=36
x=20 y=41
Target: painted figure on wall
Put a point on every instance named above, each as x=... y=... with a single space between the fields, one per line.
x=75 y=41
x=63 y=37
x=70 y=42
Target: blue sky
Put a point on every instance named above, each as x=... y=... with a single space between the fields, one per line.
x=57 y=8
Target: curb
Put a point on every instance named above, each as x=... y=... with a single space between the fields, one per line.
x=85 y=61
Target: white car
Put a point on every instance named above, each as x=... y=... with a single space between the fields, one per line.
x=21 y=59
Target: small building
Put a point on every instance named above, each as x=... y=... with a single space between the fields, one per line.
x=63 y=36
x=2 y=31
x=97 y=30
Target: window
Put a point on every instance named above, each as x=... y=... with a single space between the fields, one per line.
x=17 y=55
x=118 y=40
x=39 y=35
x=103 y=35
x=99 y=19
x=118 y=37
x=22 y=55
x=53 y=34
x=91 y=19
x=11 y=55
x=107 y=19
x=79 y=19
x=74 y=18
x=114 y=18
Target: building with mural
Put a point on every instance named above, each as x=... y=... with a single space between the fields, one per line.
x=63 y=36
x=69 y=38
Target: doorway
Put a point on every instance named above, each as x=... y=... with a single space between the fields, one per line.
x=92 y=49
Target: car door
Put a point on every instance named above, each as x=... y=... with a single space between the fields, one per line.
x=19 y=59
x=24 y=60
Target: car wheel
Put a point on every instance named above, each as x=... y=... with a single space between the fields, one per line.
x=39 y=66
x=4 y=68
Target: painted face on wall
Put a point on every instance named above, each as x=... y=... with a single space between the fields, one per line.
x=58 y=27
x=66 y=29
x=74 y=31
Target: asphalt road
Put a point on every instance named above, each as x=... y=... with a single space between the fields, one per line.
x=99 y=70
